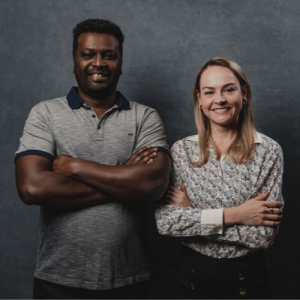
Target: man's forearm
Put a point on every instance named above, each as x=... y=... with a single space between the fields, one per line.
x=133 y=182
x=55 y=190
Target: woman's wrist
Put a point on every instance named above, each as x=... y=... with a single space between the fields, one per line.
x=231 y=216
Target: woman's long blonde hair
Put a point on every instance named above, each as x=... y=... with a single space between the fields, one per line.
x=242 y=148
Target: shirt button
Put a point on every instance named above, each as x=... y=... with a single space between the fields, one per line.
x=93 y=116
x=242 y=291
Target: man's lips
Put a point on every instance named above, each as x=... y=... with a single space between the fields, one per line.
x=221 y=111
x=99 y=77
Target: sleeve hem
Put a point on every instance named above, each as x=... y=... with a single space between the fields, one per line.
x=212 y=221
x=164 y=150
x=35 y=152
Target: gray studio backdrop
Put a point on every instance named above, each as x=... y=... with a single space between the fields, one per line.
x=166 y=42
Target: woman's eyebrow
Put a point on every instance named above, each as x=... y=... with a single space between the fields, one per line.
x=224 y=86
x=208 y=87
x=228 y=84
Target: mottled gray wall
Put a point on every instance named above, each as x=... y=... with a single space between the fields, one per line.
x=166 y=42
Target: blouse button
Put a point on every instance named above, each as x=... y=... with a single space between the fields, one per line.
x=241 y=276
x=242 y=291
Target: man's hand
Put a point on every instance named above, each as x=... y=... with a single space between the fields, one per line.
x=144 y=155
x=64 y=165
x=175 y=196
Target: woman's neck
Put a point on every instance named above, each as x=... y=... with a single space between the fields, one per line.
x=223 y=136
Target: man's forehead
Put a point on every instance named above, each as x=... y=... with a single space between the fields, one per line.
x=95 y=39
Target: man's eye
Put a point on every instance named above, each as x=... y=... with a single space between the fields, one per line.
x=87 y=55
x=110 y=57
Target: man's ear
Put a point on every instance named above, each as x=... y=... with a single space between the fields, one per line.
x=121 y=67
x=73 y=65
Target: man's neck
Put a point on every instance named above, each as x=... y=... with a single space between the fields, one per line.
x=100 y=105
x=103 y=103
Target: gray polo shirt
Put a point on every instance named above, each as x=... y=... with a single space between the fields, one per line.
x=103 y=246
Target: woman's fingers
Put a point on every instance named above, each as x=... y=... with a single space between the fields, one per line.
x=273 y=210
x=263 y=196
x=273 y=204
x=183 y=188
x=270 y=223
x=272 y=217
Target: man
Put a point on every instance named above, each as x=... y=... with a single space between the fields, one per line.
x=76 y=161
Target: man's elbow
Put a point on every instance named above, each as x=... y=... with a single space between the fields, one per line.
x=29 y=194
x=156 y=189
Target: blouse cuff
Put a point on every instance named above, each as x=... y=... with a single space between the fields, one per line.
x=212 y=221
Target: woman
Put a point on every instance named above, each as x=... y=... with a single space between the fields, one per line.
x=223 y=234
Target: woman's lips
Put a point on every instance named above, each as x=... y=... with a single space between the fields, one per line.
x=221 y=111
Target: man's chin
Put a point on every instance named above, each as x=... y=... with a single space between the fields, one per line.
x=99 y=92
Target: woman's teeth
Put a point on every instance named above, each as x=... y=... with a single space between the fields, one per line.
x=221 y=109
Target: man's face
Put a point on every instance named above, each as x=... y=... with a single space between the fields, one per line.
x=97 y=64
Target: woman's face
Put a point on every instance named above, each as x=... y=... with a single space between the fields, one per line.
x=220 y=96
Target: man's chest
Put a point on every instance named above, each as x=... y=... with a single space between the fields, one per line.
x=81 y=134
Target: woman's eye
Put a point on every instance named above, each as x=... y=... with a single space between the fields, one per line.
x=229 y=90
x=208 y=93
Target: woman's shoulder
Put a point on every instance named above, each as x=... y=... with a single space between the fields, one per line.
x=186 y=149
x=192 y=141
x=267 y=143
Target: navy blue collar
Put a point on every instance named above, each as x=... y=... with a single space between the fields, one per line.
x=75 y=101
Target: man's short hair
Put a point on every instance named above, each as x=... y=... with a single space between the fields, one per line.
x=99 y=26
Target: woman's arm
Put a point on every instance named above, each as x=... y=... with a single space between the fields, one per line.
x=250 y=218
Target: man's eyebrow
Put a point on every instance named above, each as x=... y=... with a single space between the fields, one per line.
x=104 y=50
x=224 y=86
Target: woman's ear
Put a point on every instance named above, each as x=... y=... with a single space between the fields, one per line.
x=198 y=97
x=244 y=92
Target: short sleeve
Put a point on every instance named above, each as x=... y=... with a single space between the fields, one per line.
x=152 y=132
x=37 y=138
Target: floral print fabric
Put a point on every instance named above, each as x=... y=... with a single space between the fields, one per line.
x=221 y=184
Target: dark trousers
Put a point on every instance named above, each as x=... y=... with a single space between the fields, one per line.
x=203 y=277
x=47 y=290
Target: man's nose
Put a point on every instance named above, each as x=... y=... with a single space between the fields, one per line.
x=98 y=61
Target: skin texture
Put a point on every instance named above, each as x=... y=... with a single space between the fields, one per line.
x=220 y=89
x=72 y=182
x=97 y=54
x=38 y=184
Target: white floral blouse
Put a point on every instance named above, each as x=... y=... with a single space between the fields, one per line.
x=215 y=186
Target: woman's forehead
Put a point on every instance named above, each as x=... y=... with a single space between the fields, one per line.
x=215 y=76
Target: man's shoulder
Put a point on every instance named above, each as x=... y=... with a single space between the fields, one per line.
x=140 y=107
x=52 y=103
